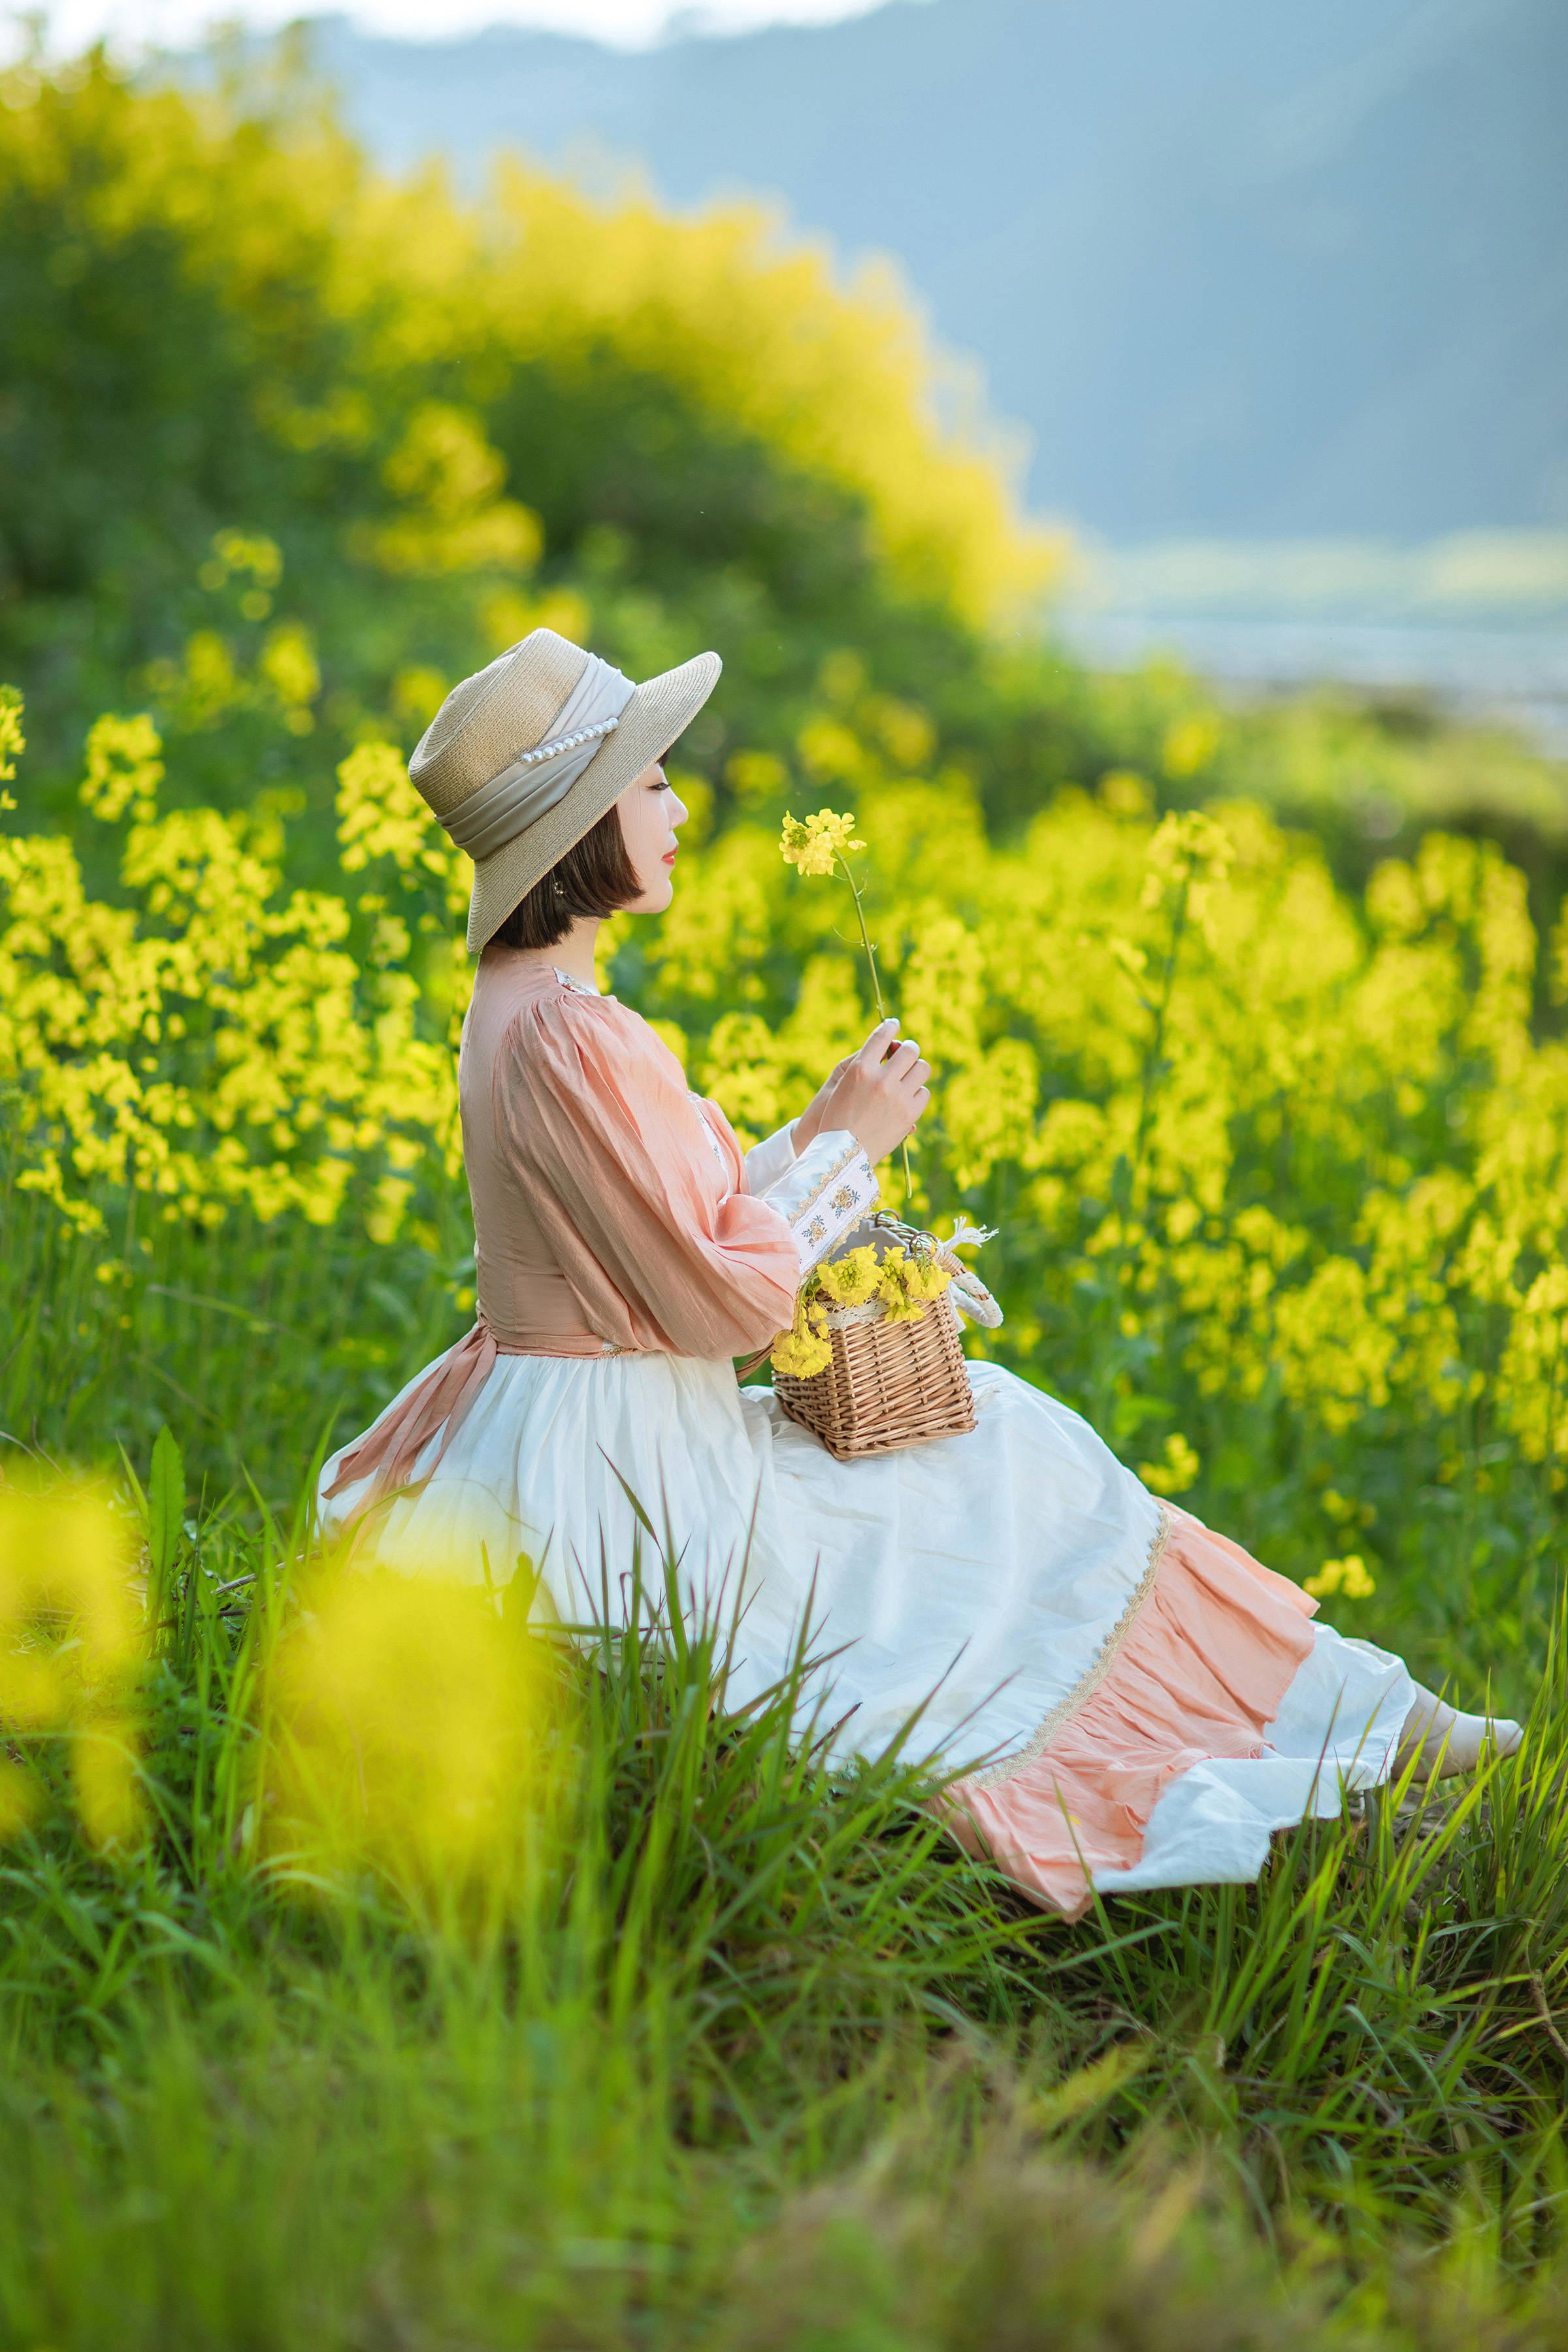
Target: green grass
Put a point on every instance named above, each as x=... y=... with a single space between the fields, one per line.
x=747 y=2054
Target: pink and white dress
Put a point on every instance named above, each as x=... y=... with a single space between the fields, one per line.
x=1140 y=1704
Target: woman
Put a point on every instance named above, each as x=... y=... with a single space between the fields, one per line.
x=1141 y=1702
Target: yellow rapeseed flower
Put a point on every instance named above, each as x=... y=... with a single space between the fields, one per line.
x=815 y=844
x=1177 y=1468
x=215 y=1042
x=13 y=742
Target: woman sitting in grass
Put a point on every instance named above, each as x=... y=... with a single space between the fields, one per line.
x=1141 y=1702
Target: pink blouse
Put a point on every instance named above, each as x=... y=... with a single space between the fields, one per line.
x=614 y=1210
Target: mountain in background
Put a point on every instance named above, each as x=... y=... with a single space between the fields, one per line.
x=1240 y=270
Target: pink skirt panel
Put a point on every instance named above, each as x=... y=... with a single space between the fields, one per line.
x=1201 y=1672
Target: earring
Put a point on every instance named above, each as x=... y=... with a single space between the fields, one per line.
x=561 y=889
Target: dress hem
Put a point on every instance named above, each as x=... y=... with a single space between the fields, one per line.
x=1057 y=1718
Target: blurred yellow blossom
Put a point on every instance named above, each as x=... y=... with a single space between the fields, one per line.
x=288 y=665
x=124 y=769
x=71 y=1644
x=1191 y=744
x=1177 y=1468
x=405 y=1716
x=447 y=480
x=13 y=742
x=1346 y=1577
x=1125 y=794
x=755 y=775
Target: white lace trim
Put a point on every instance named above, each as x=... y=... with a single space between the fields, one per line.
x=841 y=1198
x=1061 y=1714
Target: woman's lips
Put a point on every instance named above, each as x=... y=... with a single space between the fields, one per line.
x=669 y=858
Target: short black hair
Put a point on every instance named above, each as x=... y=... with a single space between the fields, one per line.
x=595 y=878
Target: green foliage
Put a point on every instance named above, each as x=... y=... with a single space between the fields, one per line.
x=286 y=448
x=748 y=2054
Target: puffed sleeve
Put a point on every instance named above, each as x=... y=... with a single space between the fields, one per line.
x=641 y=1212
x=821 y=1192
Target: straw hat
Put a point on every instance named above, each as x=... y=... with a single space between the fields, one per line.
x=526 y=756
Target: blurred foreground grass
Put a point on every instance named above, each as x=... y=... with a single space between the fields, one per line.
x=681 y=2037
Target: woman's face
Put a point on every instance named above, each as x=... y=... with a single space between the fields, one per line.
x=650 y=811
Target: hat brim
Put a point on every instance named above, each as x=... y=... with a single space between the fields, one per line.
x=659 y=709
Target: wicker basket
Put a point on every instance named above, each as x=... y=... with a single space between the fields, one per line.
x=889 y=1384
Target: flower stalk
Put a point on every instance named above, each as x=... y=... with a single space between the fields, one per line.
x=816 y=844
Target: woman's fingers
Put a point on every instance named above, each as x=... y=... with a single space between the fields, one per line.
x=884 y=1090
x=907 y=1068
x=885 y=1049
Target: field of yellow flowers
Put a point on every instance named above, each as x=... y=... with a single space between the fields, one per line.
x=1278 y=1174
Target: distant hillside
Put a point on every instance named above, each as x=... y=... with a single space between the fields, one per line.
x=1241 y=270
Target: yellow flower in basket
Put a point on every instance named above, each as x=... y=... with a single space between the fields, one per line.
x=850 y=1280
x=902 y=1284
x=908 y=1284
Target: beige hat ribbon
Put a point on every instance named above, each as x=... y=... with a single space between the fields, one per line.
x=537 y=780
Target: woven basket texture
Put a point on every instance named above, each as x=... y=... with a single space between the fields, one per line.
x=889 y=1385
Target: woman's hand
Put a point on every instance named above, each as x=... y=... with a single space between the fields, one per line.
x=878 y=1094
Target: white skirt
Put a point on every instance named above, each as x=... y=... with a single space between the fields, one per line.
x=978 y=1592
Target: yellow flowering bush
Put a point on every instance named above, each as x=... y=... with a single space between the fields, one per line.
x=211 y=1041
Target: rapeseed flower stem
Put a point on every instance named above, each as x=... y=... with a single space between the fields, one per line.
x=876 y=994
x=816 y=844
